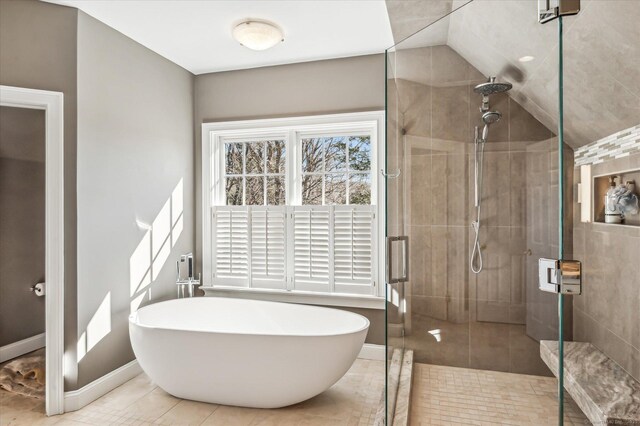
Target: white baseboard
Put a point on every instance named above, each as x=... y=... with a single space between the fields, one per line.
x=75 y=400
x=22 y=347
x=371 y=351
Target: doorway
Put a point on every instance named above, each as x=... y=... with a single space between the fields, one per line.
x=31 y=158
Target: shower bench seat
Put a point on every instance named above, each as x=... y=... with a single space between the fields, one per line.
x=601 y=388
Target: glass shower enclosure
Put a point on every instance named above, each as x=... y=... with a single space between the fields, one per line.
x=478 y=185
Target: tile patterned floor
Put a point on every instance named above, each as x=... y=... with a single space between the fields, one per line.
x=352 y=401
x=460 y=396
x=440 y=396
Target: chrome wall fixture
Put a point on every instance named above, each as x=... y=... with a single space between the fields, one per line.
x=185 y=279
x=548 y=10
x=560 y=276
x=491 y=87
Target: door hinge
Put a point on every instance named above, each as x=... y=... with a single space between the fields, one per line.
x=560 y=276
x=548 y=10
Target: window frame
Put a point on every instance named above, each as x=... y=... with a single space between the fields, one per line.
x=292 y=130
x=244 y=175
x=347 y=172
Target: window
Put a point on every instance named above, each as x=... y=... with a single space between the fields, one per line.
x=292 y=205
x=255 y=172
x=336 y=170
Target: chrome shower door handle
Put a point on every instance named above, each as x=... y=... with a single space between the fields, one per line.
x=393 y=175
x=391 y=279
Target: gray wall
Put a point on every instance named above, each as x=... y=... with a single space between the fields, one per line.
x=22 y=178
x=607 y=313
x=135 y=170
x=321 y=87
x=136 y=147
x=38 y=51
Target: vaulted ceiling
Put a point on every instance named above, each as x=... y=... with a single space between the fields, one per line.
x=601 y=56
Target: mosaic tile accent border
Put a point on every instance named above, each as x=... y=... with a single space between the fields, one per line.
x=618 y=145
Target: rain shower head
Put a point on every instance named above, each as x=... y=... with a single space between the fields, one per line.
x=492 y=87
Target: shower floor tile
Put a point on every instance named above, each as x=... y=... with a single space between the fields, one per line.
x=353 y=401
x=442 y=395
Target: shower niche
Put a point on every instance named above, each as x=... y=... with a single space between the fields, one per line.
x=617 y=205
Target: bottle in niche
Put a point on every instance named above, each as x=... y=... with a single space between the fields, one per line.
x=611 y=211
x=627 y=200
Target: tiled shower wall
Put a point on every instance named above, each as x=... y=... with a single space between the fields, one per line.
x=453 y=316
x=607 y=314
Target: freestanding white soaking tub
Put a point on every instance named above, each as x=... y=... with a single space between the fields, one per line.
x=245 y=352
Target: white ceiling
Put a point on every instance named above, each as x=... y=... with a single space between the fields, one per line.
x=196 y=34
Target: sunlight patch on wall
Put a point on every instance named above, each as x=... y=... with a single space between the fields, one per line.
x=82 y=346
x=139 y=276
x=137 y=301
x=154 y=249
x=177 y=209
x=161 y=229
x=99 y=326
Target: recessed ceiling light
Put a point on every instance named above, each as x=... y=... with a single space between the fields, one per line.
x=258 y=35
x=526 y=59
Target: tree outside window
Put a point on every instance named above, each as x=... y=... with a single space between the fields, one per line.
x=255 y=173
x=336 y=170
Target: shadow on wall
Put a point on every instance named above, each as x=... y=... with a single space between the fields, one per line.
x=145 y=264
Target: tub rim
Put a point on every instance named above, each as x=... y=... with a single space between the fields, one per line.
x=133 y=320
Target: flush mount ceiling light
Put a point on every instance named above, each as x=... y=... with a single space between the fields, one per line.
x=257 y=35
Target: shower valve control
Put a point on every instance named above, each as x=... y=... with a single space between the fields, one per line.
x=560 y=276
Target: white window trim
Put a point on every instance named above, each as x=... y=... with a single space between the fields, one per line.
x=291 y=128
x=309 y=298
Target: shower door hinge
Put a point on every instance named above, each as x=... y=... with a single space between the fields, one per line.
x=560 y=276
x=548 y=10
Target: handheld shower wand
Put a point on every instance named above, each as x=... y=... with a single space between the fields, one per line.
x=476 y=253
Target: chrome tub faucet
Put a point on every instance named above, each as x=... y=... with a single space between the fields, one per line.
x=185 y=279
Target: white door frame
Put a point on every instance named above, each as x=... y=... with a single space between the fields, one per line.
x=51 y=103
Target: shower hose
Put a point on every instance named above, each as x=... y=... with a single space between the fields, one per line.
x=476 y=253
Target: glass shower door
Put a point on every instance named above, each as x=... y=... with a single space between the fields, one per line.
x=397 y=259
x=478 y=191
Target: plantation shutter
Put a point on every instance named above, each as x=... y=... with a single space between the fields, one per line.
x=353 y=248
x=231 y=246
x=268 y=251
x=311 y=245
x=329 y=248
